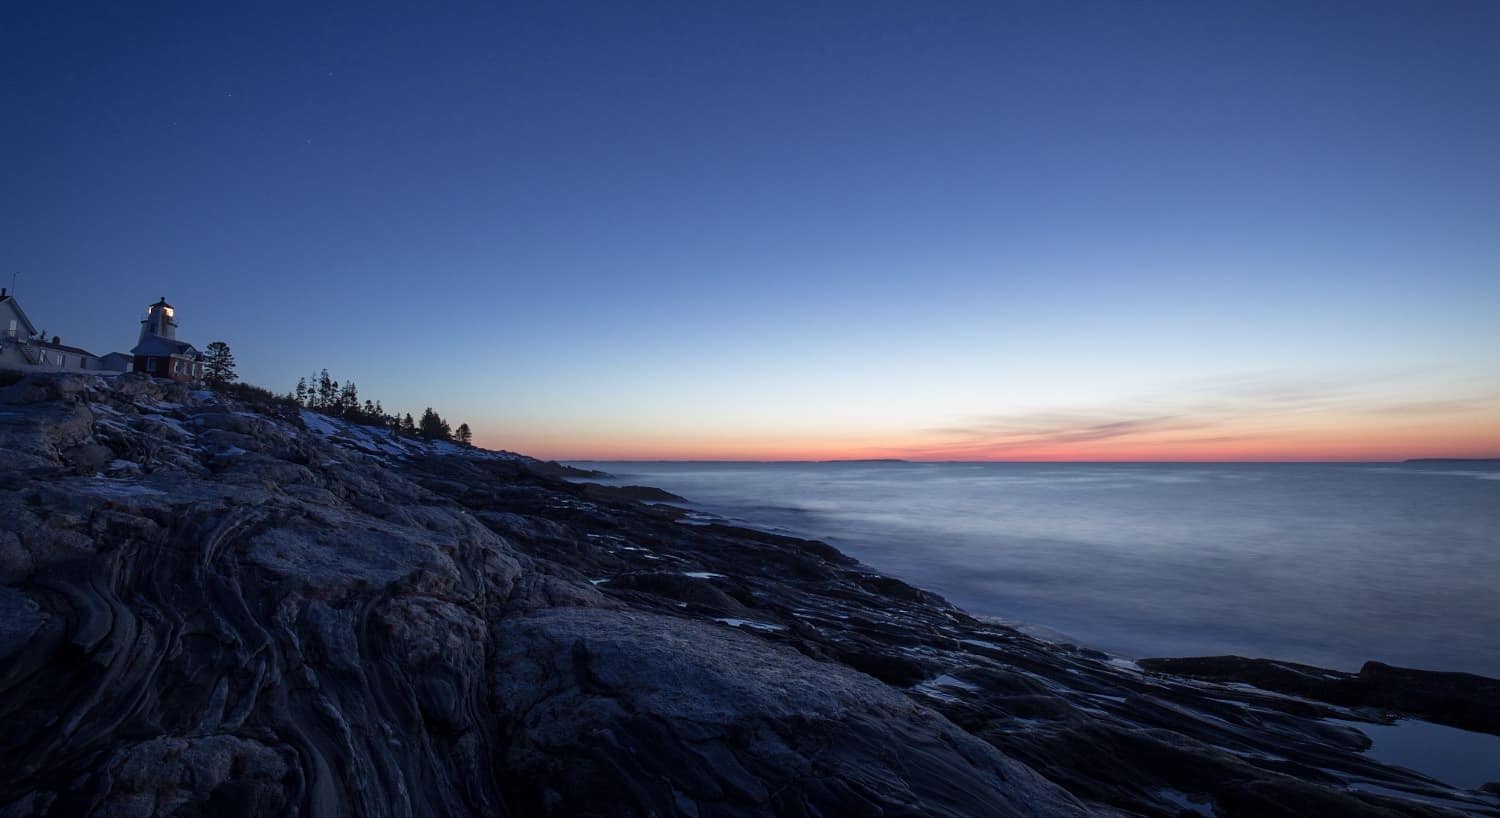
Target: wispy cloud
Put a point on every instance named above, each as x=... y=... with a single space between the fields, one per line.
x=1062 y=426
x=998 y=435
x=1208 y=414
x=1431 y=408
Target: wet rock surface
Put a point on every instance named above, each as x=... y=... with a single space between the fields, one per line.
x=1455 y=699
x=214 y=608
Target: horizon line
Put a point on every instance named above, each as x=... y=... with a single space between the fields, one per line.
x=1480 y=459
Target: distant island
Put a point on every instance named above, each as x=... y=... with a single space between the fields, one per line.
x=1490 y=460
x=868 y=460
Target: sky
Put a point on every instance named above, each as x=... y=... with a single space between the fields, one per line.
x=714 y=230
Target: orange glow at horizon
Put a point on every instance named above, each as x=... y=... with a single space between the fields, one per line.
x=1317 y=438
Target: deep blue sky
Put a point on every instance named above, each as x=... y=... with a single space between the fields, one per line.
x=731 y=229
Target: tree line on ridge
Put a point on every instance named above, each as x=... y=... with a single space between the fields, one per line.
x=326 y=396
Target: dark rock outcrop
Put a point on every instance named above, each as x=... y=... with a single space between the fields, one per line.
x=676 y=716
x=1456 y=699
x=597 y=491
x=213 y=608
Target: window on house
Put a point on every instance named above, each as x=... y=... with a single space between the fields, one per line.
x=150 y=364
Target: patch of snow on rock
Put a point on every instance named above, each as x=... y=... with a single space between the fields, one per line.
x=751 y=624
x=318 y=423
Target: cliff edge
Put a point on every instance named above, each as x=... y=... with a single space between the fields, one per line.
x=211 y=607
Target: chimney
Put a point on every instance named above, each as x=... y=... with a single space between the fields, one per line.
x=2 y=292
x=57 y=340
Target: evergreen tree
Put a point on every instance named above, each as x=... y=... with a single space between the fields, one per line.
x=301 y=394
x=348 y=399
x=465 y=436
x=218 y=364
x=408 y=427
x=432 y=426
x=327 y=391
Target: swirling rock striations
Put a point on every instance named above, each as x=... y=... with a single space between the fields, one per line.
x=217 y=608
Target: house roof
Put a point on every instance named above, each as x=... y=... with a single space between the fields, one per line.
x=64 y=348
x=16 y=305
x=157 y=345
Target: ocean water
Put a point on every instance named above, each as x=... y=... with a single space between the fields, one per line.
x=1328 y=564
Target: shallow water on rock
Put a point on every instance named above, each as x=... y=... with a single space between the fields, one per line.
x=1462 y=758
x=1329 y=564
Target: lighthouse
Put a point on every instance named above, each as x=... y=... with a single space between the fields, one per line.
x=160 y=320
x=159 y=353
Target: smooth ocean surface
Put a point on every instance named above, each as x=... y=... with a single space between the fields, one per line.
x=1329 y=564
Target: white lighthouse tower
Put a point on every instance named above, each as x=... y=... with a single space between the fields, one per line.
x=160 y=320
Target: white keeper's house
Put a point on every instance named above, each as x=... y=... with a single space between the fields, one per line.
x=23 y=347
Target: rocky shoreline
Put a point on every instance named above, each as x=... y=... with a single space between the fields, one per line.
x=211 y=607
